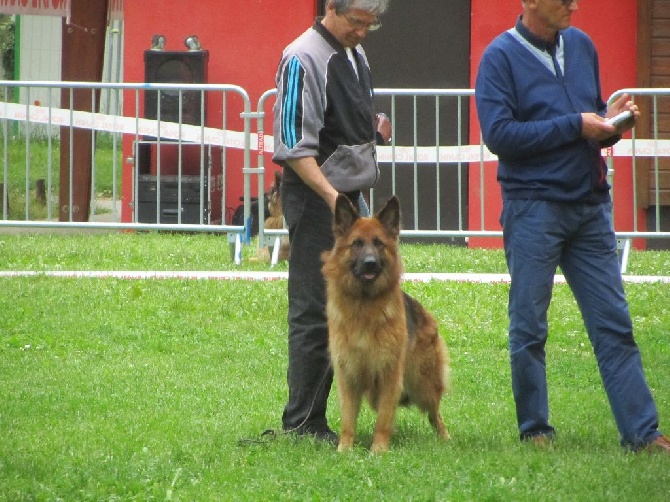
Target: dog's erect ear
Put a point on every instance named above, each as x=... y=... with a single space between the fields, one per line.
x=345 y=215
x=389 y=215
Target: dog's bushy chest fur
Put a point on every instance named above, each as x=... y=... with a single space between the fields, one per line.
x=371 y=327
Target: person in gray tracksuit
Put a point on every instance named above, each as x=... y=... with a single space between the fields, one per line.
x=325 y=134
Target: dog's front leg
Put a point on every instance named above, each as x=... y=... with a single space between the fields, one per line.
x=389 y=394
x=350 y=405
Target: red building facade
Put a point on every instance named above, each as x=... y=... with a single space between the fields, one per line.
x=245 y=39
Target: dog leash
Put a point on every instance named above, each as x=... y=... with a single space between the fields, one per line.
x=268 y=435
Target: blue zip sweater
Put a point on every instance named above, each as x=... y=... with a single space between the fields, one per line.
x=530 y=115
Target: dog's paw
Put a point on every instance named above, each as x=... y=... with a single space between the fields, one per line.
x=379 y=448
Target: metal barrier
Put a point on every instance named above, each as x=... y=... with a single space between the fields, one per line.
x=636 y=148
x=445 y=181
x=31 y=130
x=470 y=166
x=423 y=155
x=639 y=151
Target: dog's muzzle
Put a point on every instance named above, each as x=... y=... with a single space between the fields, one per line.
x=367 y=268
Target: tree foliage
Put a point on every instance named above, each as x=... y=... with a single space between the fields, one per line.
x=7 y=47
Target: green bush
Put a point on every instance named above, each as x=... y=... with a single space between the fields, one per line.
x=7 y=47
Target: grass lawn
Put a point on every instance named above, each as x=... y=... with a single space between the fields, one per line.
x=39 y=159
x=116 y=390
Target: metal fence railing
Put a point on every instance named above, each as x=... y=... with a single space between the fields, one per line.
x=650 y=149
x=175 y=177
x=461 y=172
x=428 y=163
x=176 y=168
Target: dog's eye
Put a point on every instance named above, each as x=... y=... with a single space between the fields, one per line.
x=378 y=243
x=357 y=243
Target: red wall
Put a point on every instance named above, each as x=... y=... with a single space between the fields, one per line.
x=244 y=38
x=614 y=31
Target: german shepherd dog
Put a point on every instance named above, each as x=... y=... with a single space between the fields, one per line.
x=275 y=220
x=383 y=344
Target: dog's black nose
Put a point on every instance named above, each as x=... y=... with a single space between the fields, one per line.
x=370 y=264
x=368 y=267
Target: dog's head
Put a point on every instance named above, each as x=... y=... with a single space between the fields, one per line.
x=367 y=247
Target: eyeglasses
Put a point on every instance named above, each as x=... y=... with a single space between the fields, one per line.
x=359 y=24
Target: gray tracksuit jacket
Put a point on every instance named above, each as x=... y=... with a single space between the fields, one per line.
x=324 y=110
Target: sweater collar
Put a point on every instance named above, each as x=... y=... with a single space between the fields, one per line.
x=536 y=41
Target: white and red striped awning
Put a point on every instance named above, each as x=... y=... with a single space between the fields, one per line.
x=51 y=8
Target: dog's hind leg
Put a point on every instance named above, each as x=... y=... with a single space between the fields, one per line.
x=435 y=420
x=427 y=400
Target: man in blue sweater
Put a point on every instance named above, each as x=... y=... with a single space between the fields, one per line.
x=541 y=112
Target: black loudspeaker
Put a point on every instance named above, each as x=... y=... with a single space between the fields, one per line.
x=148 y=210
x=178 y=67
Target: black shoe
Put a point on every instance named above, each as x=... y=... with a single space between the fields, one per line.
x=322 y=433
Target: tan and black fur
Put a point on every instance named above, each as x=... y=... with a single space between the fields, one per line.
x=275 y=219
x=384 y=345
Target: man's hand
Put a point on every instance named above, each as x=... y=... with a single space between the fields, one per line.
x=309 y=171
x=595 y=127
x=622 y=104
x=383 y=125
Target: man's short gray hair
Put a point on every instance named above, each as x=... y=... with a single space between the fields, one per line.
x=373 y=6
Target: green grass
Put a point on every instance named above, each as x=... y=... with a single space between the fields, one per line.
x=165 y=251
x=42 y=161
x=116 y=389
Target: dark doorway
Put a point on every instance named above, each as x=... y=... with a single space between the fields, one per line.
x=424 y=44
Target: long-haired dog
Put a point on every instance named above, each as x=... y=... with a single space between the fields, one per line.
x=275 y=220
x=383 y=344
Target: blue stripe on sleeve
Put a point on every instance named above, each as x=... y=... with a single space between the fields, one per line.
x=292 y=116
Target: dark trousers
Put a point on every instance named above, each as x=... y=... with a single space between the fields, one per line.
x=539 y=236
x=310 y=374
